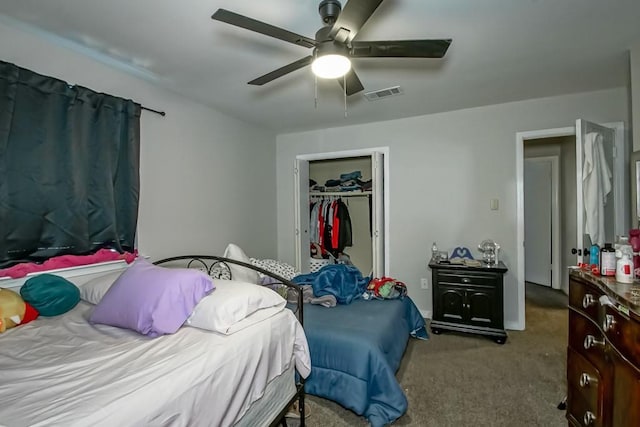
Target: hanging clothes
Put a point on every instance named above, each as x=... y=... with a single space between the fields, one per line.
x=330 y=225
x=596 y=185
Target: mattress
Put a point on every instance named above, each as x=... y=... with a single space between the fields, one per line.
x=280 y=390
x=63 y=371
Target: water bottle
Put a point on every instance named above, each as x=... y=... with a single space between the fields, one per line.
x=434 y=252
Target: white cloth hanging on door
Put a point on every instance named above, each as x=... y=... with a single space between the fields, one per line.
x=596 y=186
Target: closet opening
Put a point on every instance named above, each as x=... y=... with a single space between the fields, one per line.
x=341 y=205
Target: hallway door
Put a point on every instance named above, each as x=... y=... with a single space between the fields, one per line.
x=538 y=220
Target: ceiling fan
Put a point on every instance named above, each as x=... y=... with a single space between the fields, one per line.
x=334 y=43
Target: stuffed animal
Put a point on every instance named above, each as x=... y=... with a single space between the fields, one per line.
x=14 y=311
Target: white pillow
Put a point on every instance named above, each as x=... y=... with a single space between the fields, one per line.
x=235 y=305
x=93 y=290
x=282 y=269
x=239 y=273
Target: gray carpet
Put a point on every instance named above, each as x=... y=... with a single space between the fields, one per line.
x=465 y=380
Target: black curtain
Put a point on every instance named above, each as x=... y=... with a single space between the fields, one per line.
x=69 y=168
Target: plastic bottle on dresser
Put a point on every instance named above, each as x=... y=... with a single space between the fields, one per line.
x=634 y=240
x=607 y=260
x=622 y=245
x=624 y=268
x=594 y=255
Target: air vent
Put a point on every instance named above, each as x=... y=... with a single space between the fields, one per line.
x=383 y=93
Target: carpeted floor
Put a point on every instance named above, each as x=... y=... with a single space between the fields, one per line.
x=465 y=380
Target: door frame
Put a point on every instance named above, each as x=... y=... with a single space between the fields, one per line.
x=365 y=152
x=619 y=179
x=556 y=279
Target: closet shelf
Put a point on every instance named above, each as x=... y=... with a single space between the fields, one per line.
x=340 y=193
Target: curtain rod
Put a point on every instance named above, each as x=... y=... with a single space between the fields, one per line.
x=162 y=113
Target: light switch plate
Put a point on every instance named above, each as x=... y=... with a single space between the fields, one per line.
x=495 y=204
x=424 y=283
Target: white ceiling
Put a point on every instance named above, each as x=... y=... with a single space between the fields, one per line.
x=502 y=50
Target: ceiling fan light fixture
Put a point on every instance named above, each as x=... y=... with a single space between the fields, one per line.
x=331 y=66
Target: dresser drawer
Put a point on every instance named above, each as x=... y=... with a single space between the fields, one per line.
x=584 y=298
x=579 y=413
x=622 y=334
x=468 y=278
x=585 y=384
x=586 y=339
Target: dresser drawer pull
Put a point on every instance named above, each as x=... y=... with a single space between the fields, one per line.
x=608 y=322
x=591 y=341
x=588 y=418
x=588 y=300
x=586 y=380
x=466 y=280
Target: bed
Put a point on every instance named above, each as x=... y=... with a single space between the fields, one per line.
x=356 y=350
x=65 y=371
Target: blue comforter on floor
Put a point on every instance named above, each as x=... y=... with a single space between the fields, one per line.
x=356 y=350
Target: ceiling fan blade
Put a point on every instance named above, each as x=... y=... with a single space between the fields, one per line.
x=400 y=49
x=242 y=21
x=354 y=85
x=282 y=71
x=353 y=16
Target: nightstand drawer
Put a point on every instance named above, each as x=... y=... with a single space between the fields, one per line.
x=468 y=278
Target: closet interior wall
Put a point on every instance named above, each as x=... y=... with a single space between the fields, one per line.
x=361 y=253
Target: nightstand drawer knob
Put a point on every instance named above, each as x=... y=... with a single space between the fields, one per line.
x=591 y=341
x=588 y=300
x=589 y=418
x=466 y=280
x=586 y=380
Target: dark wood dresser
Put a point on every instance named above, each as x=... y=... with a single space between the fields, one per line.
x=468 y=299
x=603 y=355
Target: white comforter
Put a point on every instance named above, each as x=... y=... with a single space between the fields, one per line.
x=64 y=371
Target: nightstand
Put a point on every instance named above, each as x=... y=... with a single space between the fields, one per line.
x=468 y=299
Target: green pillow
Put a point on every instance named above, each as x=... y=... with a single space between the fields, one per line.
x=51 y=295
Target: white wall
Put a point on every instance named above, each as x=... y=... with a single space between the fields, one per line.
x=635 y=120
x=635 y=95
x=206 y=179
x=444 y=170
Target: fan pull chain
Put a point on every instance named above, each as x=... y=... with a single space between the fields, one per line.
x=315 y=87
x=344 y=81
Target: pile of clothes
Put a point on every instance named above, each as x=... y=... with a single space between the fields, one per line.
x=348 y=182
x=342 y=284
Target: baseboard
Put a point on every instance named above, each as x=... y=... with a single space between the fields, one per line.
x=426 y=314
x=514 y=326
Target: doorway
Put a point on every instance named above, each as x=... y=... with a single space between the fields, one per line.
x=572 y=213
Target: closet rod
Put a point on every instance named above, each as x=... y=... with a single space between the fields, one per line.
x=339 y=193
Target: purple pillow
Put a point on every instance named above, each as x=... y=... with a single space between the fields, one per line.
x=152 y=300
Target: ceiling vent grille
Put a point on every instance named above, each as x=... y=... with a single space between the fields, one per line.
x=383 y=93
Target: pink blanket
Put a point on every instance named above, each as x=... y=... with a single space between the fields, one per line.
x=65 y=261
